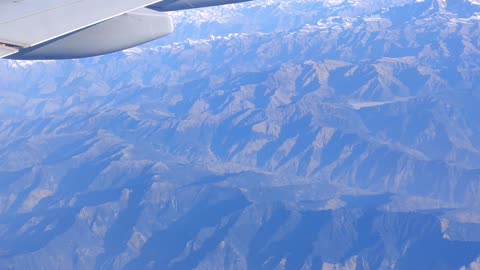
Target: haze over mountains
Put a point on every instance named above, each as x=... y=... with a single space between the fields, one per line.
x=267 y=135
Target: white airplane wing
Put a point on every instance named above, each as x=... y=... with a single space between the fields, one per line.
x=58 y=29
x=28 y=23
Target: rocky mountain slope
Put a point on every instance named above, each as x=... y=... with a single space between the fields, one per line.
x=267 y=135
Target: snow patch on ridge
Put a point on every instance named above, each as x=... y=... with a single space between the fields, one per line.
x=357 y=105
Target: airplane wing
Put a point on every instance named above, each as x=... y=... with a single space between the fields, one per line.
x=58 y=29
x=31 y=22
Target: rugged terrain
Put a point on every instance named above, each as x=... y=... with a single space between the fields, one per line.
x=267 y=135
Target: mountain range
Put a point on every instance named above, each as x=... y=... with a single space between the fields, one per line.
x=266 y=135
